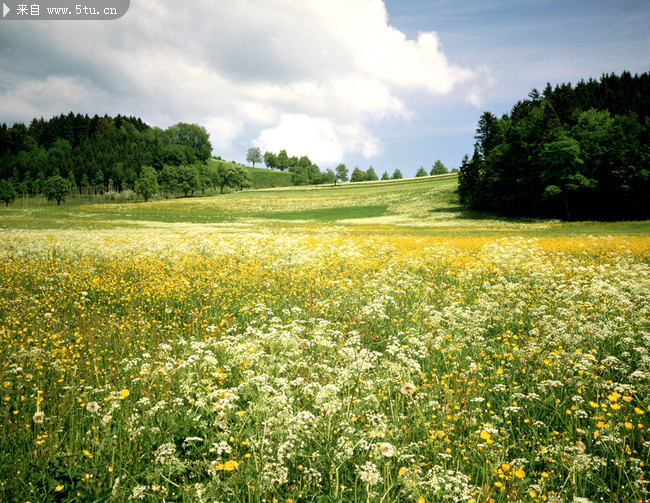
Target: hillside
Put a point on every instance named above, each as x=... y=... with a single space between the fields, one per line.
x=422 y=206
x=262 y=178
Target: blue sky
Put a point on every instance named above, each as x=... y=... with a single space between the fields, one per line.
x=392 y=84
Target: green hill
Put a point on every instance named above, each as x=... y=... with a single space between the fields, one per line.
x=262 y=178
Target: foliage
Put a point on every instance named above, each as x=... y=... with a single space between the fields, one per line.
x=397 y=175
x=233 y=176
x=421 y=172
x=438 y=168
x=147 y=183
x=254 y=155
x=270 y=160
x=102 y=153
x=56 y=189
x=569 y=152
x=7 y=192
x=358 y=175
x=341 y=173
x=371 y=176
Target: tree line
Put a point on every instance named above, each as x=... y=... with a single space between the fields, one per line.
x=571 y=152
x=304 y=172
x=99 y=154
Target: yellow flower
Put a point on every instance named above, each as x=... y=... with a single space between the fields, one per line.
x=532 y=493
x=615 y=406
x=421 y=499
x=640 y=412
x=594 y=405
x=228 y=466
x=545 y=475
x=614 y=396
x=485 y=435
x=520 y=474
x=629 y=426
x=59 y=488
x=124 y=393
x=402 y=471
x=505 y=467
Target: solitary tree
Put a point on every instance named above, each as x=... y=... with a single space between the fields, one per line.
x=56 y=189
x=397 y=175
x=147 y=183
x=7 y=192
x=341 y=173
x=254 y=155
x=421 y=172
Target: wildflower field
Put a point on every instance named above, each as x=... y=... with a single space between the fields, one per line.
x=359 y=343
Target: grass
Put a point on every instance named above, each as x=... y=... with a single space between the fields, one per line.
x=262 y=178
x=365 y=342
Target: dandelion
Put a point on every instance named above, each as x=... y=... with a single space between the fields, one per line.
x=39 y=417
x=92 y=407
x=485 y=435
x=387 y=450
x=124 y=393
x=408 y=388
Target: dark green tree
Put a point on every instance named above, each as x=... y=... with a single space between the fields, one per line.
x=270 y=160
x=358 y=175
x=168 y=180
x=397 y=175
x=385 y=176
x=421 y=172
x=438 y=168
x=371 y=176
x=188 y=178
x=147 y=183
x=56 y=189
x=7 y=192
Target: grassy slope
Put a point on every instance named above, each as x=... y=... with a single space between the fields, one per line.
x=424 y=206
x=262 y=178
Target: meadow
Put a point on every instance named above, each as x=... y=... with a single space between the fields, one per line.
x=369 y=342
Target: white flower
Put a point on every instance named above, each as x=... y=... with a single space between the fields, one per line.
x=92 y=407
x=39 y=417
x=387 y=450
x=408 y=388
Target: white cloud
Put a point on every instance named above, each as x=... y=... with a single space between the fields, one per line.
x=323 y=140
x=313 y=76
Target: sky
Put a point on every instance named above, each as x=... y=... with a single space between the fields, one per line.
x=383 y=83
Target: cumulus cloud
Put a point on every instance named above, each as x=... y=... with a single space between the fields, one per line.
x=312 y=77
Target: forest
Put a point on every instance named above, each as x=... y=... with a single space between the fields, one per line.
x=99 y=154
x=570 y=152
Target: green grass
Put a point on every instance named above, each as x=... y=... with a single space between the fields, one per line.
x=422 y=206
x=362 y=343
x=262 y=178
